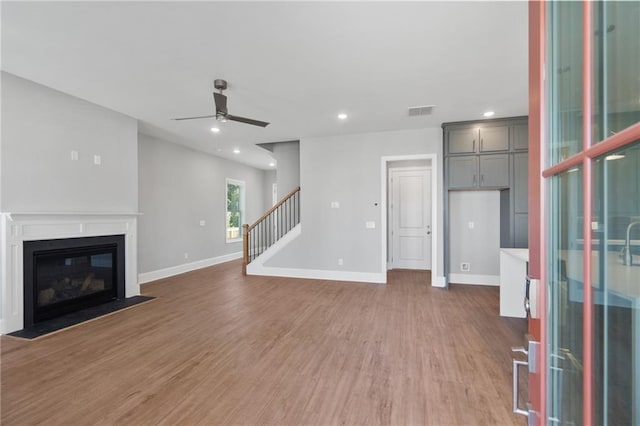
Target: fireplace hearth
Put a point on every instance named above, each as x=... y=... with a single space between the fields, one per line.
x=68 y=275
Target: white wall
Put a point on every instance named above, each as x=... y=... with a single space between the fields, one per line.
x=179 y=187
x=269 y=179
x=479 y=246
x=347 y=169
x=287 y=155
x=40 y=128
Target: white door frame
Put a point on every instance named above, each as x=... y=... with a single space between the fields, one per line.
x=435 y=236
x=390 y=192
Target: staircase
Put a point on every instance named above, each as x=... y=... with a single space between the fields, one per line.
x=272 y=226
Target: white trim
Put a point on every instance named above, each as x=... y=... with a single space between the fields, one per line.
x=436 y=278
x=146 y=277
x=439 y=282
x=474 y=279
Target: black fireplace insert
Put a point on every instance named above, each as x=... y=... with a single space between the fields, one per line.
x=67 y=275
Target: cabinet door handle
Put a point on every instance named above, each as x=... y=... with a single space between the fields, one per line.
x=481 y=143
x=474 y=180
x=481 y=179
x=473 y=147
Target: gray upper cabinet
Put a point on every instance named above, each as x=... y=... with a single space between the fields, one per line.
x=462 y=141
x=495 y=138
x=462 y=171
x=520 y=136
x=494 y=171
x=474 y=140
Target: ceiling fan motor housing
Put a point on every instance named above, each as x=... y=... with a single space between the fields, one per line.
x=220 y=84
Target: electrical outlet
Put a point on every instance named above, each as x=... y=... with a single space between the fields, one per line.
x=472 y=225
x=465 y=266
x=186 y=255
x=340 y=262
x=97 y=160
x=74 y=155
x=335 y=205
x=203 y=223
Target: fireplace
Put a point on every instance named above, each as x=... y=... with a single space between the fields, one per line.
x=67 y=275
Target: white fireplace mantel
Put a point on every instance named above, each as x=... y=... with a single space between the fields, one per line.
x=17 y=227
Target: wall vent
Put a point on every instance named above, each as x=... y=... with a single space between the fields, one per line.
x=420 y=110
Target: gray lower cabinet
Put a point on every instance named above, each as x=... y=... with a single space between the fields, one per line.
x=494 y=171
x=462 y=171
x=478 y=171
x=521 y=182
x=521 y=230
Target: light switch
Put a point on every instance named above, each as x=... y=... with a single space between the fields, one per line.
x=202 y=223
x=371 y=225
x=97 y=160
x=335 y=205
x=471 y=225
x=74 y=155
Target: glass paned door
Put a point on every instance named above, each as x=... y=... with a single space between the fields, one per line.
x=616 y=288
x=616 y=67
x=566 y=298
x=591 y=225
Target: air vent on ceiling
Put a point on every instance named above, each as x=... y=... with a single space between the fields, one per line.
x=420 y=110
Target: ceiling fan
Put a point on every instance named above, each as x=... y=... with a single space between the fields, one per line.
x=221 y=108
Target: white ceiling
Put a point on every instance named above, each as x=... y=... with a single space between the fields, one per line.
x=293 y=64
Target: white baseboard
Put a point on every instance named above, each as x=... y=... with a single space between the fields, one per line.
x=474 y=279
x=318 y=274
x=439 y=282
x=186 y=267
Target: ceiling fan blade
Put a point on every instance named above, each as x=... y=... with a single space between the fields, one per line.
x=246 y=120
x=221 y=102
x=194 y=118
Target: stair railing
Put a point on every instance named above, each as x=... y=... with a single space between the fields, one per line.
x=272 y=226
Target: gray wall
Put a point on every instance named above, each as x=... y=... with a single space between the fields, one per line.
x=178 y=188
x=479 y=246
x=269 y=179
x=40 y=128
x=347 y=169
x=287 y=155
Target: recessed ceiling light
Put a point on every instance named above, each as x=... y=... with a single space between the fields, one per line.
x=342 y=116
x=489 y=114
x=614 y=157
x=272 y=164
x=236 y=151
x=215 y=129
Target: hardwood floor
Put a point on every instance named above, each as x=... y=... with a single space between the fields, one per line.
x=219 y=348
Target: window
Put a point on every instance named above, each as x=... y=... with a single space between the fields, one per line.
x=235 y=210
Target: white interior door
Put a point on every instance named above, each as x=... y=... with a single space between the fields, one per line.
x=410 y=212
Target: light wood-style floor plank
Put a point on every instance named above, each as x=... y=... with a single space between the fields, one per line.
x=219 y=348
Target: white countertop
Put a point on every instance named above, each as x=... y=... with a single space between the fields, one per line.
x=518 y=253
